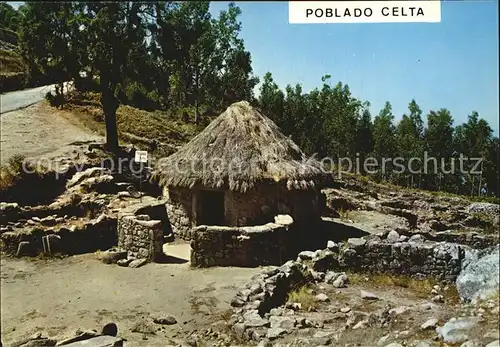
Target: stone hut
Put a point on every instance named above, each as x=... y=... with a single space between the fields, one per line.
x=241 y=170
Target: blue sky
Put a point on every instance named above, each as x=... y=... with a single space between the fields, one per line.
x=452 y=64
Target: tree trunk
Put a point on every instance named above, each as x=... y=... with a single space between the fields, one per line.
x=109 y=105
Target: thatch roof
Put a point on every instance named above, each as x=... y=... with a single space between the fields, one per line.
x=236 y=150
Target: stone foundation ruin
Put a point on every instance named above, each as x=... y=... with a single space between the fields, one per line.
x=241 y=246
x=140 y=236
x=256 y=307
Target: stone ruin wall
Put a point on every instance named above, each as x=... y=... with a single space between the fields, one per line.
x=140 y=236
x=243 y=209
x=96 y=234
x=179 y=210
x=240 y=246
x=418 y=258
x=415 y=257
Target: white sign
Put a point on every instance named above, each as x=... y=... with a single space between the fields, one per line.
x=406 y=11
x=141 y=156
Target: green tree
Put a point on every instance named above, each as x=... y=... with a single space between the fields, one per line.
x=9 y=17
x=439 y=145
x=384 y=142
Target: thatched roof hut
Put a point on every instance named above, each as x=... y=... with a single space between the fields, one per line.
x=235 y=151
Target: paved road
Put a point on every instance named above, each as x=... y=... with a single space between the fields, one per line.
x=23 y=98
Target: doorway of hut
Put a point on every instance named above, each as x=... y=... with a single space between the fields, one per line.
x=211 y=208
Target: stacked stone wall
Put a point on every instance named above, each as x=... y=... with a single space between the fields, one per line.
x=140 y=236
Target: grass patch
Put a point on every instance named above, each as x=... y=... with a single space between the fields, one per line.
x=302 y=296
x=421 y=288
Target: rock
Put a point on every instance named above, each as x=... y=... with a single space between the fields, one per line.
x=483 y=207
x=403 y=238
x=383 y=340
x=398 y=310
x=143 y=327
x=429 y=324
x=332 y=246
x=393 y=236
x=368 y=296
x=356 y=242
x=455 y=330
x=324 y=260
x=112 y=255
x=427 y=306
x=341 y=281
x=338 y=280
x=323 y=337
x=165 y=320
x=99 y=184
x=361 y=325
x=80 y=176
x=306 y=255
x=472 y=343
x=24 y=249
x=124 y=262
x=493 y=334
x=417 y=238
x=79 y=336
x=345 y=309
x=494 y=344
x=265 y=343
x=252 y=319
x=36 y=340
x=394 y=344
x=99 y=341
x=273 y=333
x=480 y=278
x=322 y=298
x=138 y=263
x=9 y=211
x=283 y=219
x=282 y=322
x=422 y=343
x=438 y=299
x=48 y=221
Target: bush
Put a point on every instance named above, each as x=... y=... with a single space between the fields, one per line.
x=54 y=100
x=12 y=81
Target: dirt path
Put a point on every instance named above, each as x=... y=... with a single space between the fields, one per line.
x=60 y=296
x=39 y=130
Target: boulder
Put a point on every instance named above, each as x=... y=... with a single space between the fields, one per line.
x=98 y=341
x=81 y=176
x=165 y=320
x=138 y=263
x=112 y=255
x=456 y=330
x=368 y=296
x=480 y=278
x=393 y=236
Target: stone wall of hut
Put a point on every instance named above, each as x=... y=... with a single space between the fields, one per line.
x=257 y=206
x=261 y=204
x=179 y=207
x=240 y=246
